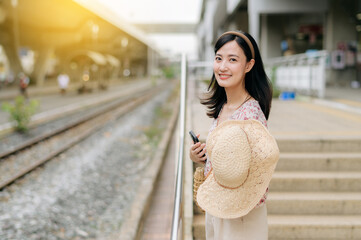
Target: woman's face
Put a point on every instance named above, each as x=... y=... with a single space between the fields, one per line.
x=230 y=65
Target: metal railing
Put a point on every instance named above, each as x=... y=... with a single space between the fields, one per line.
x=304 y=73
x=179 y=180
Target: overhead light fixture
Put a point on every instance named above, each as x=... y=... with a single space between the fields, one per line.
x=358 y=16
x=358 y=28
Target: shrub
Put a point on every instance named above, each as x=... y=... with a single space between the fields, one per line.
x=21 y=112
x=276 y=92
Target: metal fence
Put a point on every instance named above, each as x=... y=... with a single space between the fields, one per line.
x=302 y=73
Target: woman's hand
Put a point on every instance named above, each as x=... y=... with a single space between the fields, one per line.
x=197 y=152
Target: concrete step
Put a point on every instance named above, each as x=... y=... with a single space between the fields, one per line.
x=301 y=227
x=319 y=162
x=319 y=144
x=311 y=203
x=316 y=181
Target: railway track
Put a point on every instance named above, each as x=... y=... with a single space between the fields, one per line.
x=29 y=155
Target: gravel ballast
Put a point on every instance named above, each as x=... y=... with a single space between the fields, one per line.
x=85 y=192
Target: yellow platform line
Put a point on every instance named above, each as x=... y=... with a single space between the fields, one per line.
x=349 y=102
x=332 y=112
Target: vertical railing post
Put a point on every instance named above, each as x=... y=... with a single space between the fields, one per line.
x=179 y=179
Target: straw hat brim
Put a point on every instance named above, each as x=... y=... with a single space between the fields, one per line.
x=228 y=203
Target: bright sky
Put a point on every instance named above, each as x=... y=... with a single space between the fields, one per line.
x=161 y=11
x=156 y=11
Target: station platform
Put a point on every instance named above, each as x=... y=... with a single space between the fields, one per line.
x=50 y=87
x=52 y=103
x=339 y=114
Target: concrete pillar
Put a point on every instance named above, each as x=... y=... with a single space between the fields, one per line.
x=271 y=36
x=115 y=73
x=13 y=57
x=155 y=61
x=151 y=63
x=41 y=65
x=263 y=44
x=254 y=25
x=254 y=22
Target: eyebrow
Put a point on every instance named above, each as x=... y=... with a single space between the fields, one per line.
x=230 y=55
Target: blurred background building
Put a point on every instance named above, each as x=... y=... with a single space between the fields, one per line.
x=306 y=45
x=83 y=38
x=289 y=27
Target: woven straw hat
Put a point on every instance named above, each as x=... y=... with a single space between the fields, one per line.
x=244 y=156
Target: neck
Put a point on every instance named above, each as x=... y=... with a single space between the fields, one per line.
x=236 y=96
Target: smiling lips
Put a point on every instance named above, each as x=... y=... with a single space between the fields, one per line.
x=224 y=76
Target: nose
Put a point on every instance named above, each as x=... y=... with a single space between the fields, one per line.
x=223 y=66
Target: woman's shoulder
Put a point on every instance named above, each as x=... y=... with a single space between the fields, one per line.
x=250 y=110
x=250 y=107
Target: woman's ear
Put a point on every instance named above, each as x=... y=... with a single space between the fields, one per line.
x=249 y=65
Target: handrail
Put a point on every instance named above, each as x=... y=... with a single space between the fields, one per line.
x=304 y=73
x=179 y=179
x=294 y=59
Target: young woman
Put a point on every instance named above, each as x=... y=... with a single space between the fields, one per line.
x=239 y=90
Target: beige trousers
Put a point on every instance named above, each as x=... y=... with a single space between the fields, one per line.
x=253 y=226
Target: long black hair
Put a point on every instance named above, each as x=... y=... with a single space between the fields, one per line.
x=256 y=81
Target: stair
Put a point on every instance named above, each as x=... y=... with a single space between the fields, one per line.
x=315 y=192
x=307 y=227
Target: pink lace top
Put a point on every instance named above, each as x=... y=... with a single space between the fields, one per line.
x=249 y=110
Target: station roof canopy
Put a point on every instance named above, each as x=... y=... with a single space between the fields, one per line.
x=61 y=22
x=103 y=12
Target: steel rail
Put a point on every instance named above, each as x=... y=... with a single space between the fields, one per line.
x=179 y=180
x=71 y=124
x=128 y=104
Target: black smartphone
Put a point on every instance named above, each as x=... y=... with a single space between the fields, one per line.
x=193 y=136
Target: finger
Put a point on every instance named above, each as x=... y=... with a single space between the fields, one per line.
x=194 y=153
x=201 y=148
x=198 y=150
x=201 y=153
x=194 y=146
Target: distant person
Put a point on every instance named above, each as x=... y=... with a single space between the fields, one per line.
x=24 y=82
x=63 y=81
x=10 y=78
x=240 y=155
x=2 y=79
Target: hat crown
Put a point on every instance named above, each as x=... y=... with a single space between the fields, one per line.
x=231 y=157
x=217 y=195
